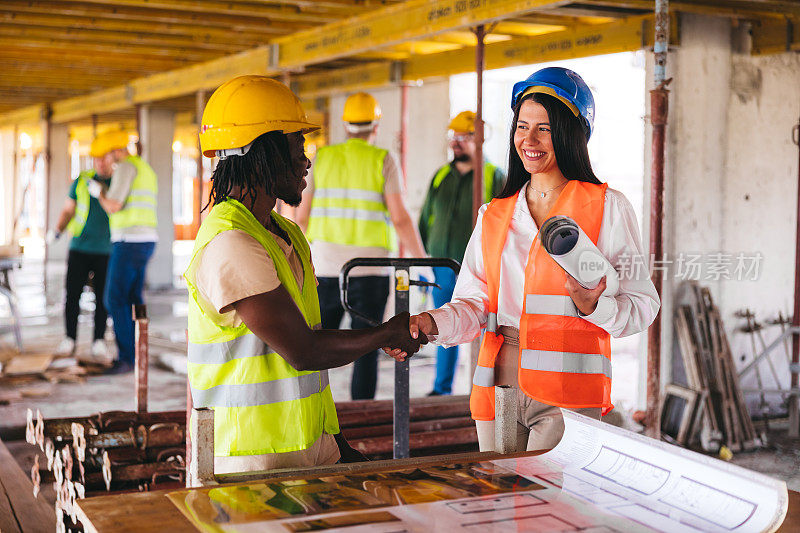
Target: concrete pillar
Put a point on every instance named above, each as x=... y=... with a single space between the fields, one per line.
x=58 y=186
x=156 y=133
x=695 y=159
x=8 y=206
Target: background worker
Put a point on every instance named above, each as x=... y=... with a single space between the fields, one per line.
x=256 y=355
x=445 y=224
x=130 y=202
x=352 y=208
x=89 y=248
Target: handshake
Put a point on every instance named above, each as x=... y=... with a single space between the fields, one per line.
x=407 y=333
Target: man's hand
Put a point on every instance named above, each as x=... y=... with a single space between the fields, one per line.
x=585 y=299
x=421 y=326
x=52 y=236
x=405 y=340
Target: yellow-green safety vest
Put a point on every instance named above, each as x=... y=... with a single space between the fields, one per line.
x=488 y=183
x=82 y=203
x=488 y=179
x=261 y=403
x=140 y=205
x=348 y=205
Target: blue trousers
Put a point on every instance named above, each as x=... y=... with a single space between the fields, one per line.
x=124 y=284
x=446 y=358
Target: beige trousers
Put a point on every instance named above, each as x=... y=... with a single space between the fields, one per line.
x=539 y=426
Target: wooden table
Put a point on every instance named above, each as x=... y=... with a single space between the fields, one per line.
x=154 y=512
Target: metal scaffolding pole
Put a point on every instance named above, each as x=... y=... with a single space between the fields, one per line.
x=477 y=165
x=658 y=113
x=794 y=367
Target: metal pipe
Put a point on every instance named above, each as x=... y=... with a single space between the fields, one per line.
x=658 y=113
x=794 y=408
x=380 y=430
x=447 y=437
x=142 y=357
x=46 y=137
x=477 y=163
x=404 y=132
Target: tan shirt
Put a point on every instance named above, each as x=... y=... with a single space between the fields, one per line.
x=234 y=266
x=329 y=257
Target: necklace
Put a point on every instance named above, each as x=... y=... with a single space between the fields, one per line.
x=544 y=193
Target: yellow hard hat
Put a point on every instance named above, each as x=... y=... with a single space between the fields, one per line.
x=108 y=141
x=464 y=122
x=361 y=107
x=246 y=107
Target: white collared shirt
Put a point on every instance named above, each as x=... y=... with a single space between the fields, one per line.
x=632 y=310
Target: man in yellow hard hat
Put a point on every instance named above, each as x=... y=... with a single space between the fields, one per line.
x=352 y=208
x=130 y=202
x=89 y=249
x=256 y=353
x=446 y=224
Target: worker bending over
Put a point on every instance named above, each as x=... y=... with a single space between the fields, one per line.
x=256 y=355
x=89 y=249
x=445 y=224
x=351 y=208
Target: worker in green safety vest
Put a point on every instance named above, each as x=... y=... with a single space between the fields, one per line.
x=130 y=202
x=446 y=224
x=257 y=355
x=84 y=218
x=354 y=207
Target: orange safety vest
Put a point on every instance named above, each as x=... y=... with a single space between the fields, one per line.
x=564 y=360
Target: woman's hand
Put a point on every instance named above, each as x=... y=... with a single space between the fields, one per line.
x=422 y=323
x=585 y=299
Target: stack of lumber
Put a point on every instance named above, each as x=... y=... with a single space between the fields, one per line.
x=717 y=406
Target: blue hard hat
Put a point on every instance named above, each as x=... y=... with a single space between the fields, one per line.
x=563 y=84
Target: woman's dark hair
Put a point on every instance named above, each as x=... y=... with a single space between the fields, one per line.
x=265 y=163
x=569 y=144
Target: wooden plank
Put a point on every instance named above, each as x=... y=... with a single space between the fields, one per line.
x=28 y=364
x=32 y=514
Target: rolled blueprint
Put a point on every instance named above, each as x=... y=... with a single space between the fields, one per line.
x=575 y=252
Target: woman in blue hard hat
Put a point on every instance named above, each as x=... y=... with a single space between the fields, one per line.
x=545 y=333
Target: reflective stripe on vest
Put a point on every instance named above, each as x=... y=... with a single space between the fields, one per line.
x=574 y=363
x=351 y=214
x=550 y=304
x=483 y=376
x=491 y=322
x=348 y=206
x=82 y=203
x=254 y=394
x=564 y=360
x=139 y=208
x=254 y=391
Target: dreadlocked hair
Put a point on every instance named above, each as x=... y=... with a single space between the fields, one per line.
x=267 y=159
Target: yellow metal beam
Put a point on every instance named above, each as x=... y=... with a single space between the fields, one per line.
x=97 y=103
x=207 y=75
x=342 y=80
x=742 y=8
x=621 y=36
x=395 y=24
x=133 y=52
x=773 y=36
x=27 y=115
